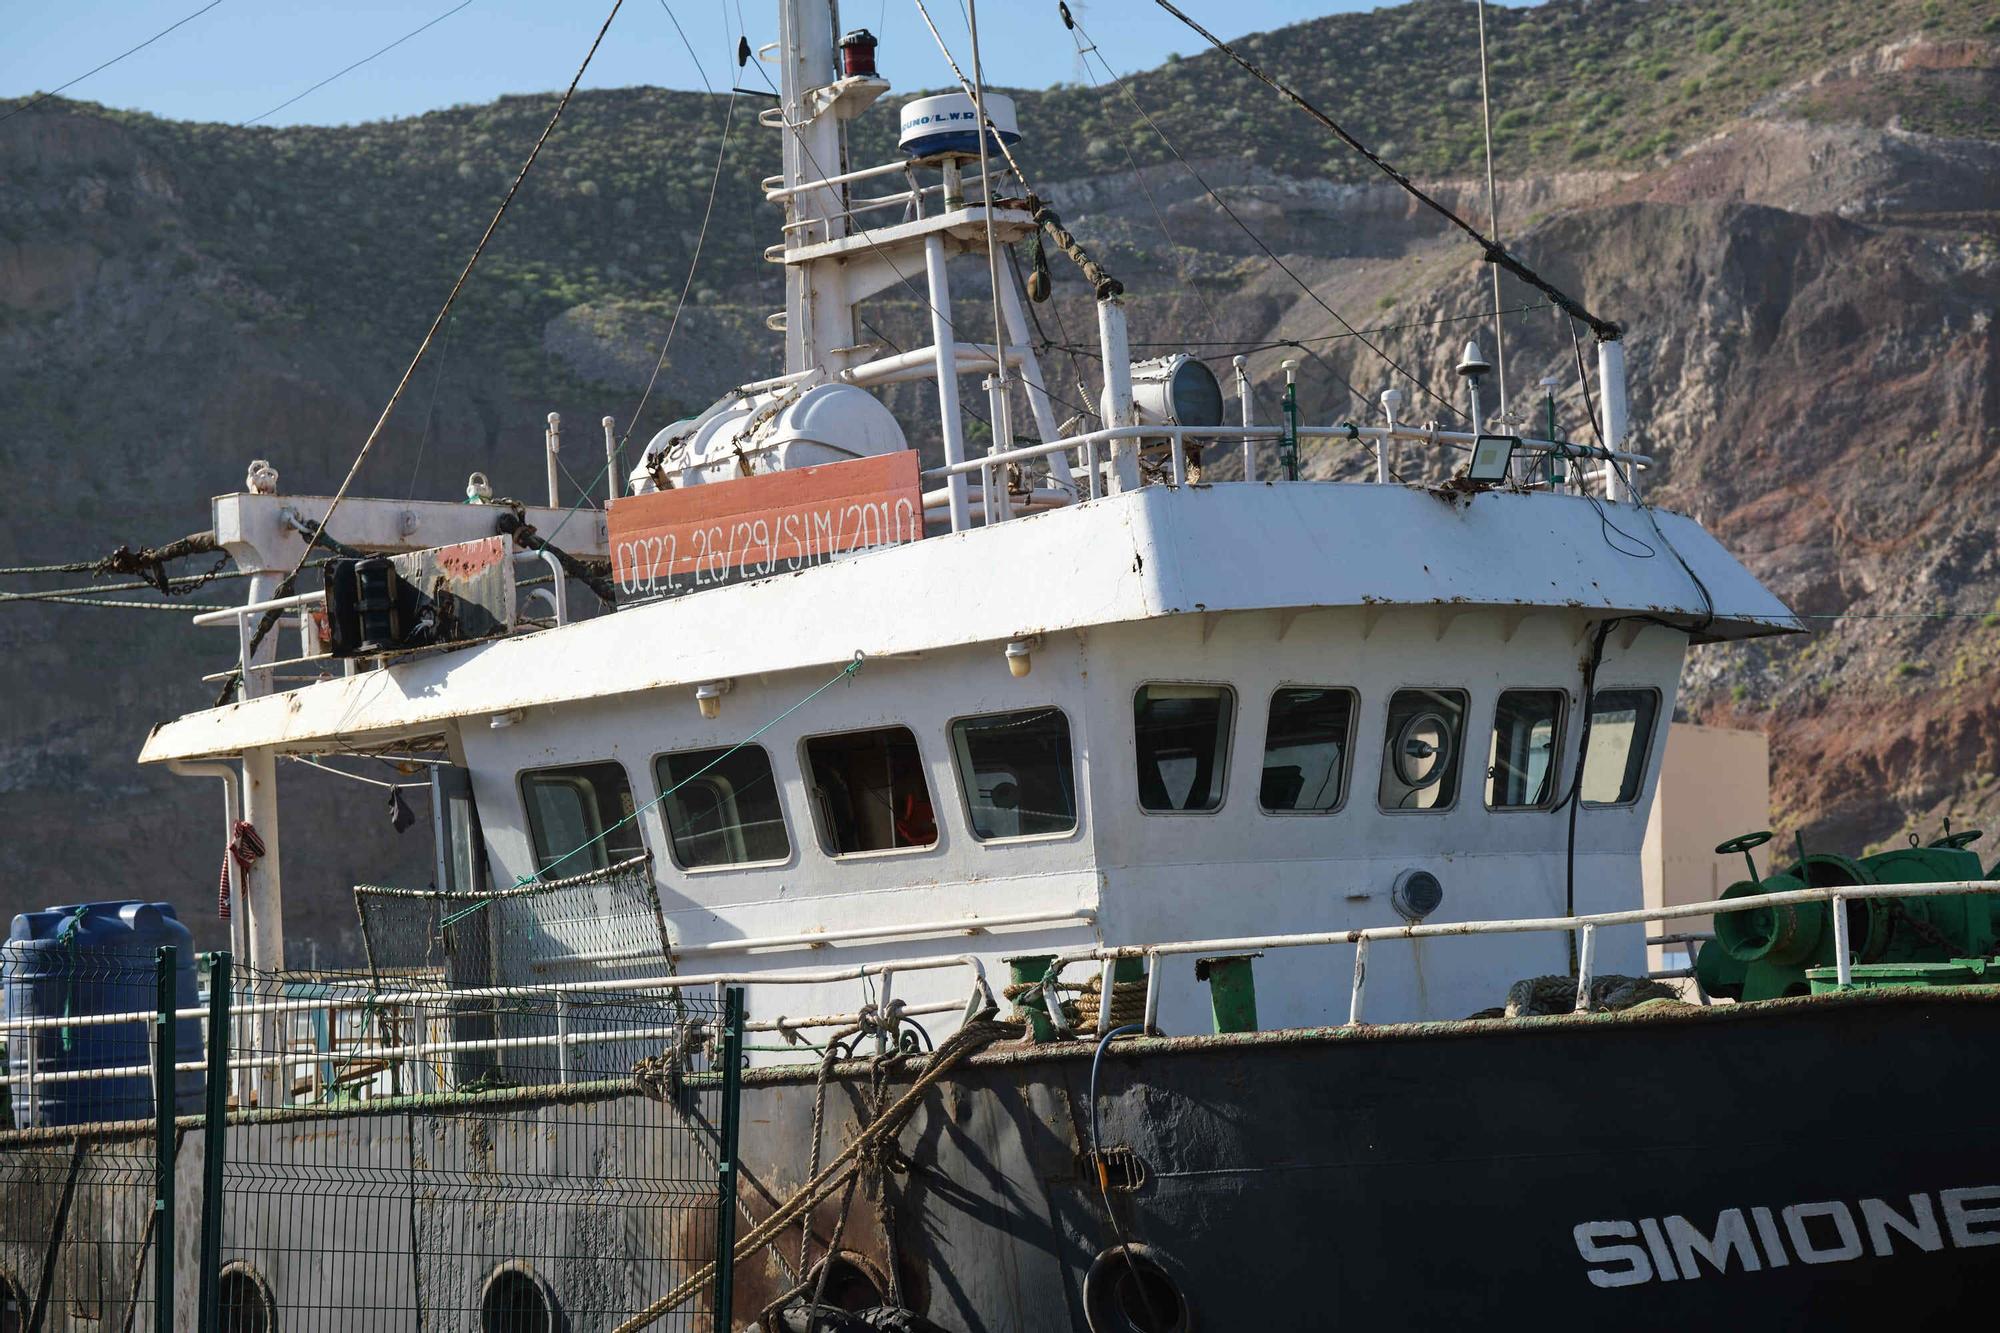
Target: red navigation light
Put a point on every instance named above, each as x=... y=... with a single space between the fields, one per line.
x=857 y=53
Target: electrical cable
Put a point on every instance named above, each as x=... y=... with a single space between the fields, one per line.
x=701 y=237
x=40 y=98
x=356 y=65
x=1496 y=253
x=288 y=586
x=1139 y=176
x=430 y=409
x=1258 y=241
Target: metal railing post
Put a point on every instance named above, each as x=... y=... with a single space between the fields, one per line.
x=1843 y=962
x=1586 y=950
x=214 y=1123
x=1360 y=981
x=731 y=1059
x=163 y=1140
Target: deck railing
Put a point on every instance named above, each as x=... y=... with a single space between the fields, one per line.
x=882 y=1014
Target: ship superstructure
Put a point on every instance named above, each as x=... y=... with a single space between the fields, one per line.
x=1103 y=701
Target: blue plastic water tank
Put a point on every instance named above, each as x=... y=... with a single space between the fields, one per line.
x=94 y=958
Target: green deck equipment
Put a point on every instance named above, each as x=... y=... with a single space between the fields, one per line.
x=1766 y=952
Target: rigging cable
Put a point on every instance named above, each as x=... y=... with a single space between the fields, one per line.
x=1083 y=54
x=701 y=237
x=40 y=98
x=430 y=409
x=356 y=65
x=288 y=586
x=1496 y=253
x=1492 y=219
x=1069 y=20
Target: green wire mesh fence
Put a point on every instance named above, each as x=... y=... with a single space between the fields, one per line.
x=393 y=1155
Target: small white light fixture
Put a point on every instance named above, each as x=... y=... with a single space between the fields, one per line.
x=1020 y=654
x=502 y=721
x=708 y=697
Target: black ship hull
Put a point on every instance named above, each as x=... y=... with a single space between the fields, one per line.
x=1831 y=1162
x=1827 y=1162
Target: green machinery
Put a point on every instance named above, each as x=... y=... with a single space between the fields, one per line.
x=1765 y=952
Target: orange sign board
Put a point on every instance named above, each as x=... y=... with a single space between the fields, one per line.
x=674 y=542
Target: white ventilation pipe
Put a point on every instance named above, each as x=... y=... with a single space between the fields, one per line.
x=1611 y=389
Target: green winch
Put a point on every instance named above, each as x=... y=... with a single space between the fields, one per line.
x=1762 y=953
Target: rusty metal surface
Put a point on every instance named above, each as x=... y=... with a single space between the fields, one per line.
x=467 y=589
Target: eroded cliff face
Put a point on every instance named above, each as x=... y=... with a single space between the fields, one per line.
x=1809 y=293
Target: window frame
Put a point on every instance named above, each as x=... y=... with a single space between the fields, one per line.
x=820 y=832
x=1353 y=694
x=666 y=823
x=638 y=825
x=1646 y=764
x=965 y=791
x=1228 y=749
x=1558 y=752
x=1458 y=776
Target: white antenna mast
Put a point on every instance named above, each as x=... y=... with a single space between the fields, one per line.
x=1493 y=218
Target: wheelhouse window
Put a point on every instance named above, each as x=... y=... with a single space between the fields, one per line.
x=1421 y=750
x=579 y=818
x=1306 y=744
x=1621 y=734
x=1017 y=773
x=722 y=807
x=1183 y=745
x=1521 y=763
x=869 y=792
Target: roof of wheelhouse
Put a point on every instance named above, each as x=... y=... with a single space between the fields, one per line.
x=1157 y=551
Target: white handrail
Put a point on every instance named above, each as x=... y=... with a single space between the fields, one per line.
x=1836 y=896
x=228 y=614
x=357 y=994
x=359 y=997
x=1091 y=439
x=966 y=925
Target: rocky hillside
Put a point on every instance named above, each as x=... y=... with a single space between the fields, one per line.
x=1792 y=207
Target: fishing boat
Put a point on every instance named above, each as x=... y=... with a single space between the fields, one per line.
x=1107 y=881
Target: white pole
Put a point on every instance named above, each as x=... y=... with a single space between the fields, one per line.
x=610 y=460
x=552 y=442
x=263 y=898
x=1242 y=364
x=1843 y=964
x=1585 y=951
x=1105 y=987
x=946 y=344
x=1031 y=376
x=1116 y=350
x=999 y=507
x=1391 y=400
x=1360 y=982
x=1611 y=392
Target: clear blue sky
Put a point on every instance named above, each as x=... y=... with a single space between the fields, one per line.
x=243 y=57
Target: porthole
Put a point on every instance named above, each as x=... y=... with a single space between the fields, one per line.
x=13 y=1304
x=516 y=1301
x=243 y=1300
x=1129 y=1290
